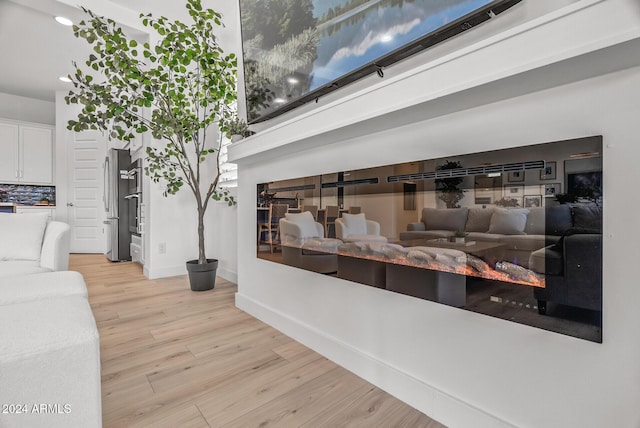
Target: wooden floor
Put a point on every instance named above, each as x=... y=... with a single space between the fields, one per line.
x=175 y=358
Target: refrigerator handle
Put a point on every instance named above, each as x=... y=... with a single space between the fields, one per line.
x=105 y=195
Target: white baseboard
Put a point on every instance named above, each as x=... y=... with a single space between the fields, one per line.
x=177 y=270
x=228 y=275
x=165 y=271
x=428 y=399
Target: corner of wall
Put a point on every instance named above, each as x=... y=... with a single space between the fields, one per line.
x=227 y=274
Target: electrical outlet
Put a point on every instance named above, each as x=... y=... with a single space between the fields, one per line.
x=162 y=248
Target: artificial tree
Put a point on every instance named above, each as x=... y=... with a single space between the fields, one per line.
x=185 y=81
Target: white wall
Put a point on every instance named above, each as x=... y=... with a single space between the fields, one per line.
x=172 y=223
x=463 y=368
x=27 y=109
x=518 y=374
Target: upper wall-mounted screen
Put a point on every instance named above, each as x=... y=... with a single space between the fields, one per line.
x=297 y=50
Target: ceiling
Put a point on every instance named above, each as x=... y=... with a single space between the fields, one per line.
x=36 y=50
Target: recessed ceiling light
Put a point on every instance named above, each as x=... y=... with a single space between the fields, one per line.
x=292 y=80
x=280 y=100
x=64 y=21
x=65 y=79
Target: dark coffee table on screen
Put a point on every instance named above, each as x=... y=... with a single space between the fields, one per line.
x=443 y=287
x=476 y=248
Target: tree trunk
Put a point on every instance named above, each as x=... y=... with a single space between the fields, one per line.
x=201 y=256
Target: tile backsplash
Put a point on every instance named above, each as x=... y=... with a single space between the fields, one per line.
x=27 y=195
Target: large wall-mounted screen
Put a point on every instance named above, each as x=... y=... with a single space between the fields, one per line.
x=515 y=234
x=297 y=50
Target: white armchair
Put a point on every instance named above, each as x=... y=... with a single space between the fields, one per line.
x=304 y=245
x=30 y=244
x=55 y=246
x=356 y=228
x=50 y=348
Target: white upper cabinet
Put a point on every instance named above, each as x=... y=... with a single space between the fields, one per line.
x=36 y=153
x=26 y=153
x=9 y=137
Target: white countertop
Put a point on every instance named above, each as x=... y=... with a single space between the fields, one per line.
x=14 y=204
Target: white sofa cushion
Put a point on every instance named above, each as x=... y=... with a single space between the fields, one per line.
x=305 y=222
x=41 y=286
x=12 y=268
x=55 y=247
x=50 y=353
x=356 y=224
x=22 y=235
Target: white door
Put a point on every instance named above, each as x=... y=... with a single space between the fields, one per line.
x=85 y=186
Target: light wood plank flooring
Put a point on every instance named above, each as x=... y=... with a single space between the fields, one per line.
x=175 y=358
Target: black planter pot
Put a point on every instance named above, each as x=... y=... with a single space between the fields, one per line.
x=202 y=277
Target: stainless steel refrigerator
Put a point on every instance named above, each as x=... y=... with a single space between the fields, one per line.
x=116 y=187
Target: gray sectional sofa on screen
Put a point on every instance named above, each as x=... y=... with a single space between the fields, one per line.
x=563 y=242
x=521 y=230
x=573 y=266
